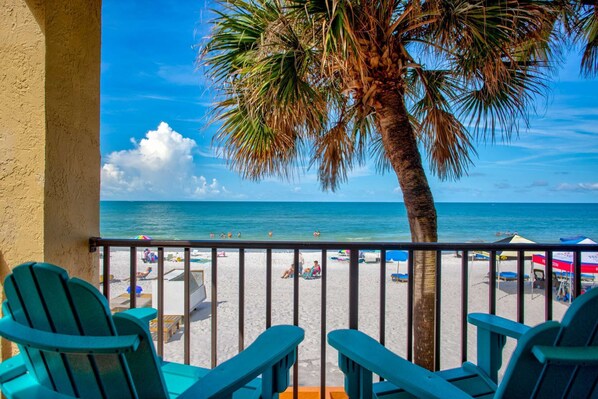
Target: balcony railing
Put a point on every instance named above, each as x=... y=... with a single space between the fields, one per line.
x=351 y=294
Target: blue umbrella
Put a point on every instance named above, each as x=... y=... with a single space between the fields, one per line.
x=138 y=290
x=396 y=255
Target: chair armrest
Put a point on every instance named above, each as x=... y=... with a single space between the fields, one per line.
x=498 y=325
x=365 y=353
x=567 y=355
x=65 y=343
x=12 y=368
x=491 y=338
x=144 y=314
x=272 y=354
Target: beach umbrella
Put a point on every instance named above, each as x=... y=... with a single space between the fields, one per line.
x=515 y=239
x=138 y=290
x=398 y=256
x=143 y=237
x=564 y=260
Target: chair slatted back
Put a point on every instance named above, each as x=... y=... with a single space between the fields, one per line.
x=579 y=328
x=43 y=297
x=525 y=377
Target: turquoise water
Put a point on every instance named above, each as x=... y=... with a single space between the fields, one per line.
x=345 y=221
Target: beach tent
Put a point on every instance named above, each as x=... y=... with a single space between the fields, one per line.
x=514 y=239
x=564 y=260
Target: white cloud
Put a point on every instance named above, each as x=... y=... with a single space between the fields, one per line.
x=160 y=166
x=577 y=187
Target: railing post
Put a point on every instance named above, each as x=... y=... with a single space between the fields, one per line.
x=548 y=282
x=438 y=310
x=464 y=303
x=268 y=288
x=383 y=297
x=296 y=319
x=186 y=312
x=160 y=319
x=520 y=291
x=410 y=290
x=106 y=271
x=323 y=326
x=576 y=275
x=241 y=299
x=354 y=289
x=214 y=308
x=133 y=280
x=492 y=283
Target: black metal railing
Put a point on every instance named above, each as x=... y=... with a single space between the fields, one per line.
x=465 y=249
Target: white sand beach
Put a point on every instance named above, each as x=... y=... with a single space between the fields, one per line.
x=337 y=306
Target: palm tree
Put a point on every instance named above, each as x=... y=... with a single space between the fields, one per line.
x=333 y=83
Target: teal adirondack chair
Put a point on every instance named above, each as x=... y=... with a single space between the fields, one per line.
x=71 y=346
x=551 y=360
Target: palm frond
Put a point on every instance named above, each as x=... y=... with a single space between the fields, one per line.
x=334 y=154
x=500 y=109
x=588 y=35
x=446 y=140
x=251 y=147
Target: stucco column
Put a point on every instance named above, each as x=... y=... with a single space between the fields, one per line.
x=49 y=133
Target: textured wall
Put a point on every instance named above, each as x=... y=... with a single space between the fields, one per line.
x=49 y=133
x=22 y=135
x=72 y=170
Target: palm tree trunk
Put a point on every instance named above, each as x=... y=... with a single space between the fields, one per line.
x=401 y=148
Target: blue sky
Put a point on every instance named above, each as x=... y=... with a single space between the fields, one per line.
x=156 y=139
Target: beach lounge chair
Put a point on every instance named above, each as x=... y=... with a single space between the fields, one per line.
x=399 y=277
x=551 y=360
x=511 y=276
x=310 y=274
x=71 y=346
x=143 y=275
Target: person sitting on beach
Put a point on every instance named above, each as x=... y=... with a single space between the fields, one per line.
x=317 y=270
x=144 y=274
x=289 y=272
x=146 y=255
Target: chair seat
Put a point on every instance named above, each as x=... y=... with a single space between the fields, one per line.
x=18 y=384
x=468 y=380
x=179 y=377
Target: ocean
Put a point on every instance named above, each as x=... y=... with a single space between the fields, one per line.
x=342 y=221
